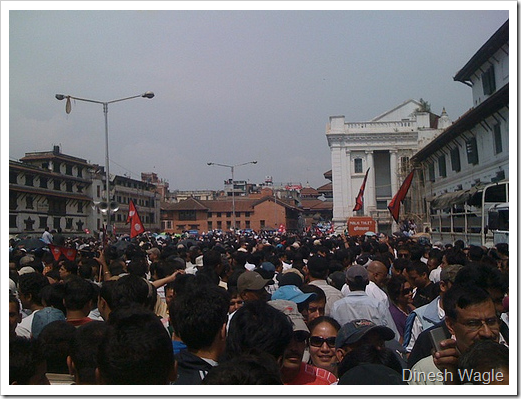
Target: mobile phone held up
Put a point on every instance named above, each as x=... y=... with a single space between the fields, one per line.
x=437 y=335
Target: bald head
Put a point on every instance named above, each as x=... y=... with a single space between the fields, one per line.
x=378 y=273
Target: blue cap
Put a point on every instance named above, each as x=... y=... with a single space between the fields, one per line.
x=43 y=317
x=268 y=266
x=292 y=293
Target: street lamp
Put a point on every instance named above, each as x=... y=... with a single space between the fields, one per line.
x=232 y=167
x=105 y=104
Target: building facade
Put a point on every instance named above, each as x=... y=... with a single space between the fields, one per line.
x=471 y=153
x=382 y=146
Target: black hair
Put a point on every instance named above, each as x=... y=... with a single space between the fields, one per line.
x=32 y=283
x=197 y=315
x=129 y=290
x=85 y=271
x=138 y=267
x=136 y=349
x=394 y=287
x=463 y=296
x=483 y=355
x=324 y=319
x=400 y=264
x=455 y=256
x=55 y=339
x=318 y=267
x=308 y=288
x=417 y=251
x=212 y=259
x=14 y=299
x=258 y=325
x=53 y=295
x=70 y=266
x=418 y=266
x=476 y=253
x=25 y=356
x=78 y=293
x=106 y=292
x=250 y=368
x=482 y=276
x=368 y=353
x=83 y=350
x=164 y=268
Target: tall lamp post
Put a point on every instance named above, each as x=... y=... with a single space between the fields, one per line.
x=105 y=104
x=232 y=167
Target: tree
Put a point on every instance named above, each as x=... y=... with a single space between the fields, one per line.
x=424 y=106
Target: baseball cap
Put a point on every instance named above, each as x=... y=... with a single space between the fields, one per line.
x=26 y=260
x=44 y=317
x=292 y=293
x=289 y=308
x=268 y=266
x=353 y=331
x=356 y=271
x=26 y=270
x=250 y=280
x=371 y=374
x=154 y=251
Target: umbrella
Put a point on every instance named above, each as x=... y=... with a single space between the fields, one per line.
x=31 y=244
x=121 y=245
x=370 y=233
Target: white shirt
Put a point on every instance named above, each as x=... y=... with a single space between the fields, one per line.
x=435 y=275
x=332 y=294
x=358 y=305
x=24 y=329
x=372 y=290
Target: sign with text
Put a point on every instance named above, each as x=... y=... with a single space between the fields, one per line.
x=359 y=225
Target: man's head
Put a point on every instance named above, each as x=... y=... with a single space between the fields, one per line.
x=135 y=350
x=295 y=350
x=29 y=289
x=78 y=295
x=470 y=315
x=154 y=254
x=418 y=274
x=316 y=307
x=251 y=286
x=378 y=273
x=260 y=326
x=293 y=294
x=447 y=277
x=317 y=267
x=15 y=316
x=357 y=278
x=199 y=317
x=27 y=365
x=360 y=332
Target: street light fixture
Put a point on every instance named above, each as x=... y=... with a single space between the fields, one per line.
x=105 y=104
x=232 y=167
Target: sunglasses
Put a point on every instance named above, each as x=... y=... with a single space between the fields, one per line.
x=406 y=291
x=319 y=341
x=233 y=303
x=403 y=255
x=300 y=336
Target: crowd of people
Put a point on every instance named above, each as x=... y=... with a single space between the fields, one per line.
x=270 y=309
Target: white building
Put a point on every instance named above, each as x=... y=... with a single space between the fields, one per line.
x=473 y=152
x=384 y=145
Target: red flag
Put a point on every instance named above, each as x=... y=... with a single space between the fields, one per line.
x=360 y=198
x=136 y=227
x=57 y=251
x=394 y=205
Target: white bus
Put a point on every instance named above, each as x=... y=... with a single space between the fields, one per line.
x=478 y=216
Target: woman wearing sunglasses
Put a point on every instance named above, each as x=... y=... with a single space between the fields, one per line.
x=400 y=304
x=322 y=353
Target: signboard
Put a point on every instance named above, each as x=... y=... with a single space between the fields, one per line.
x=359 y=225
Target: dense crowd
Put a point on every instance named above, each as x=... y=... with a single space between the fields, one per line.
x=265 y=308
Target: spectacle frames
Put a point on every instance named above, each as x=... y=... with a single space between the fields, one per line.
x=233 y=303
x=319 y=341
x=476 y=324
x=300 y=336
x=403 y=255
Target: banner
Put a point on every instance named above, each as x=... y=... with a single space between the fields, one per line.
x=394 y=205
x=136 y=227
x=57 y=251
x=360 y=198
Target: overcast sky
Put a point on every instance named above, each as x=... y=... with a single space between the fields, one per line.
x=230 y=86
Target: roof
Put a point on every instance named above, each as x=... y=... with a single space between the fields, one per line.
x=496 y=41
x=221 y=205
x=48 y=155
x=329 y=174
x=326 y=188
x=308 y=191
x=189 y=204
x=467 y=121
x=316 y=204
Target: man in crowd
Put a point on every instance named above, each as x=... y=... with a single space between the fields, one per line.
x=316 y=272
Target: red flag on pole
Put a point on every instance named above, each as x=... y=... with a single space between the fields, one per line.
x=57 y=251
x=136 y=227
x=360 y=198
x=394 y=205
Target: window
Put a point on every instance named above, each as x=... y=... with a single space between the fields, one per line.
x=219 y=225
x=228 y=214
x=209 y=215
x=13 y=177
x=404 y=165
x=262 y=224
x=247 y=214
x=43 y=182
x=68 y=223
x=12 y=221
x=57 y=206
x=13 y=200
x=68 y=187
x=218 y=214
x=238 y=214
x=29 y=180
x=68 y=170
x=210 y=226
x=455 y=160
x=358 y=165
x=29 y=202
x=29 y=223
x=79 y=225
x=431 y=172
x=228 y=225
x=80 y=207
x=43 y=222
x=57 y=184
x=498 y=144
x=187 y=215
x=80 y=172
x=56 y=223
x=56 y=167
x=248 y=226
x=79 y=189
x=98 y=191
x=381 y=204
x=442 y=166
x=489 y=81
x=472 y=151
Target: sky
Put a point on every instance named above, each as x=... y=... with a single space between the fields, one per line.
x=231 y=86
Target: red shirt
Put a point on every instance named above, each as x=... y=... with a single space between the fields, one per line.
x=311 y=375
x=79 y=322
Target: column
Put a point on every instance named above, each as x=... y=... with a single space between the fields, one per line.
x=394 y=171
x=370 y=191
x=350 y=201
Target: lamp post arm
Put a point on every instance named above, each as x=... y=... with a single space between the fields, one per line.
x=123 y=99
